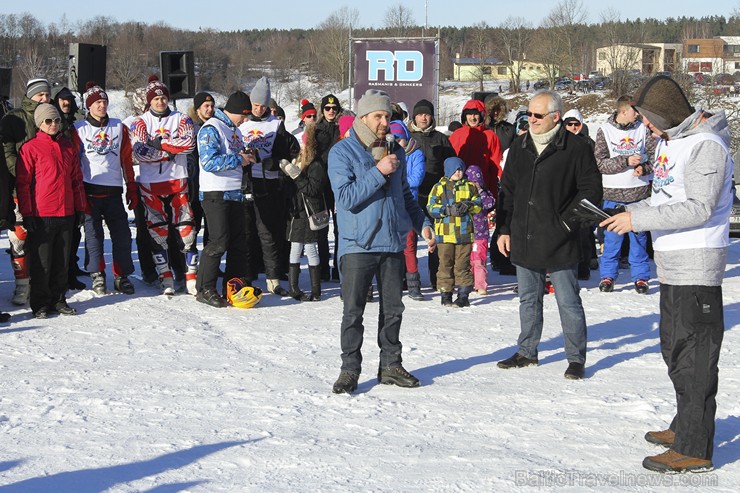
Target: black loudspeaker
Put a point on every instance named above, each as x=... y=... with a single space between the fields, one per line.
x=178 y=73
x=86 y=63
x=6 y=77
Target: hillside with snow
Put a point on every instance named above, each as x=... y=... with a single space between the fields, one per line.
x=146 y=393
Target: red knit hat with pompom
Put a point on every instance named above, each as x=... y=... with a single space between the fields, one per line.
x=93 y=92
x=307 y=108
x=155 y=88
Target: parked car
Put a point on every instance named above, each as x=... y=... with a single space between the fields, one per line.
x=602 y=83
x=541 y=84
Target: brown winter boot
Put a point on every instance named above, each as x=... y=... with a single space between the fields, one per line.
x=671 y=461
x=664 y=438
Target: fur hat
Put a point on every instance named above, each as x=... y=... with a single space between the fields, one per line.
x=238 y=104
x=663 y=102
x=261 y=92
x=155 y=88
x=374 y=100
x=35 y=86
x=93 y=92
x=453 y=164
x=44 y=111
x=307 y=108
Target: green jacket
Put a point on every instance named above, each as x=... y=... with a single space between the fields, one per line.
x=17 y=127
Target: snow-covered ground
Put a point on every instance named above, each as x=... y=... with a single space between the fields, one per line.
x=145 y=393
x=149 y=394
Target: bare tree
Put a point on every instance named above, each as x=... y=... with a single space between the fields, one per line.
x=481 y=46
x=514 y=36
x=330 y=48
x=399 y=20
x=622 y=51
x=126 y=56
x=565 y=21
x=547 y=50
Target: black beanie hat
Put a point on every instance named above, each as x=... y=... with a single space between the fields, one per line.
x=423 y=107
x=201 y=98
x=331 y=99
x=239 y=104
x=663 y=102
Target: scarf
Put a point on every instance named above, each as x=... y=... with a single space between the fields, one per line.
x=543 y=140
x=369 y=140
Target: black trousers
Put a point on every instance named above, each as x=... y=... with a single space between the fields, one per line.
x=226 y=234
x=358 y=270
x=691 y=332
x=50 y=245
x=267 y=212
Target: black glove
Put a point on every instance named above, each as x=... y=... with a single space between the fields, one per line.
x=29 y=224
x=156 y=143
x=459 y=208
x=79 y=219
x=615 y=210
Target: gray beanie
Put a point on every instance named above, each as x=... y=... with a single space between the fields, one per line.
x=35 y=86
x=44 y=111
x=261 y=92
x=374 y=100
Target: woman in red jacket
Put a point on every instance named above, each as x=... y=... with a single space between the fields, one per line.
x=52 y=200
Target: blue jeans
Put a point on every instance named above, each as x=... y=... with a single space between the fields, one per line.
x=572 y=318
x=358 y=270
x=638 y=257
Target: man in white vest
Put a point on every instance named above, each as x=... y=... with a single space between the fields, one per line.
x=105 y=156
x=222 y=161
x=625 y=151
x=688 y=215
x=266 y=134
x=161 y=140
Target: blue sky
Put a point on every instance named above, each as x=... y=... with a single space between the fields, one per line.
x=218 y=14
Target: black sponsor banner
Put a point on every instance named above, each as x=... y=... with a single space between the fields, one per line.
x=405 y=69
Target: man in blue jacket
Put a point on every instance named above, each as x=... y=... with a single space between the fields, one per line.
x=375 y=212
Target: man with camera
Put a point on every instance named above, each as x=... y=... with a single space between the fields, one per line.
x=223 y=161
x=266 y=134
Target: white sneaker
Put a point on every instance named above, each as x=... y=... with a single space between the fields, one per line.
x=190 y=286
x=22 y=291
x=168 y=286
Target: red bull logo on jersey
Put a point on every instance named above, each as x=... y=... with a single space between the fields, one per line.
x=102 y=144
x=662 y=173
x=256 y=139
x=626 y=146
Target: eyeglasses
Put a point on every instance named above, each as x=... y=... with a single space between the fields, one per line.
x=330 y=108
x=309 y=116
x=539 y=116
x=49 y=121
x=573 y=124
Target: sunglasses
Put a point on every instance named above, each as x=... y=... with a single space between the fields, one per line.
x=573 y=124
x=330 y=108
x=539 y=116
x=49 y=121
x=309 y=116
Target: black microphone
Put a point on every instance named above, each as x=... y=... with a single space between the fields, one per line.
x=390 y=143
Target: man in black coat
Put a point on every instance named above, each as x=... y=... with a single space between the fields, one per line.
x=549 y=170
x=436 y=148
